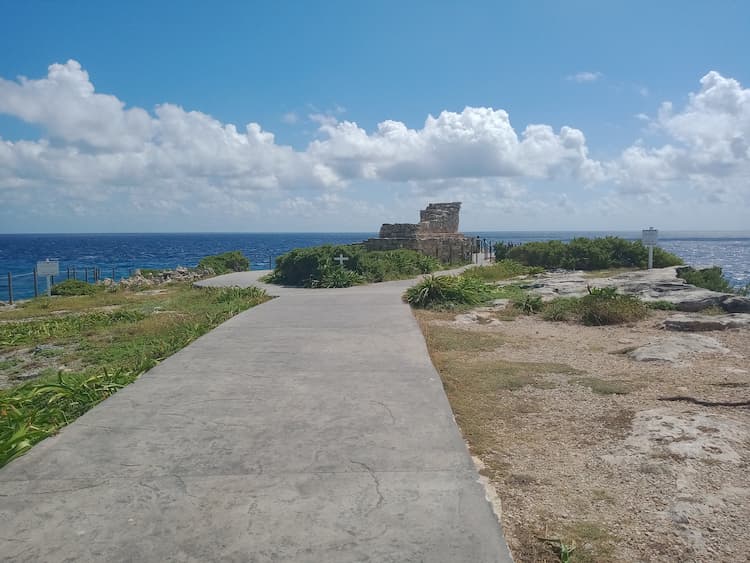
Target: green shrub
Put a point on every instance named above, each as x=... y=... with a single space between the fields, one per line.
x=225 y=263
x=337 y=277
x=75 y=287
x=604 y=306
x=315 y=266
x=562 y=309
x=661 y=305
x=448 y=292
x=708 y=278
x=585 y=254
x=528 y=304
x=664 y=259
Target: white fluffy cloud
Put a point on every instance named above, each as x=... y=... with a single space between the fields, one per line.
x=708 y=148
x=95 y=149
x=476 y=143
x=93 y=140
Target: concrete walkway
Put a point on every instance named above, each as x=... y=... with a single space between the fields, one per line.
x=312 y=428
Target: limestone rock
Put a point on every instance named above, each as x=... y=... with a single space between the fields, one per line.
x=736 y=304
x=659 y=284
x=671 y=349
x=700 y=323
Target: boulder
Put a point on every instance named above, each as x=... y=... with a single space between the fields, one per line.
x=699 y=302
x=674 y=347
x=701 y=323
x=736 y=304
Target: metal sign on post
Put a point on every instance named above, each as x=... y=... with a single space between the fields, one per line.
x=48 y=268
x=650 y=239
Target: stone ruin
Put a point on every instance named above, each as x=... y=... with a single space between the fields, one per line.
x=435 y=235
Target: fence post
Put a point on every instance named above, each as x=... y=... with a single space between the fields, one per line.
x=113 y=274
x=75 y=274
x=10 y=288
x=36 y=283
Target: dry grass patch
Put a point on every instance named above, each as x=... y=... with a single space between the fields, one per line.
x=449 y=339
x=552 y=412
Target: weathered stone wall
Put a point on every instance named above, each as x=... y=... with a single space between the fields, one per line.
x=440 y=218
x=399 y=230
x=446 y=249
x=435 y=235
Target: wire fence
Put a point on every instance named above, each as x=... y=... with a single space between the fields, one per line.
x=25 y=285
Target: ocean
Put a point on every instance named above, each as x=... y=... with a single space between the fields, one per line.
x=123 y=253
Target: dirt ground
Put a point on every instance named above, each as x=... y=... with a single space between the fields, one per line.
x=581 y=450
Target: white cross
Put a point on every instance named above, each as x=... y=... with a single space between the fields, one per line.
x=340 y=259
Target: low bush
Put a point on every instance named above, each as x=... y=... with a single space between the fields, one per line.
x=225 y=263
x=562 y=309
x=607 y=307
x=449 y=292
x=315 y=266
x=707 y=278
x=585 y=254
x=75 y=287
x=337 y=277
x=602 y=306
x=528 y=303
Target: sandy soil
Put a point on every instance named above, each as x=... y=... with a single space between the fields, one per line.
x=596 y=459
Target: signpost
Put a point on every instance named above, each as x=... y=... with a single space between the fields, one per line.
x=650 y=238
x=48 y=268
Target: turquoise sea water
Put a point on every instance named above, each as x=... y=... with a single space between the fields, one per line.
x=124 y=252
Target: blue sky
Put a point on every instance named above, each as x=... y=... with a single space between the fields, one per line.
x=134 y=116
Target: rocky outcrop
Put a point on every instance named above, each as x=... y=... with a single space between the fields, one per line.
x=673 y=348
x=701 y=323
x=179 y=274
x=661 y=284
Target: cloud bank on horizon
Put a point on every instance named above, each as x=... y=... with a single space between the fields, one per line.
x=94 y=150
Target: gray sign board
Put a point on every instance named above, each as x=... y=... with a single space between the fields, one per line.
x=48 y=268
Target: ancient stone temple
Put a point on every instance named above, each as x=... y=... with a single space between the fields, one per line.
x=436 y=235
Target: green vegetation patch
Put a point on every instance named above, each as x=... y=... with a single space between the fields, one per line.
x=603 y=306
x=449 y=292
x=707 y=278
x=585 y=254
x=110 y=348
x=316 y=267
x=233 y=261
x=75 y=287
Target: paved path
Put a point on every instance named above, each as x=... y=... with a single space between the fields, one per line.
x=312 y=428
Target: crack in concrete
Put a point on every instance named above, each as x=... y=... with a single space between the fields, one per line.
x=375 y=479
x=387 y=408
